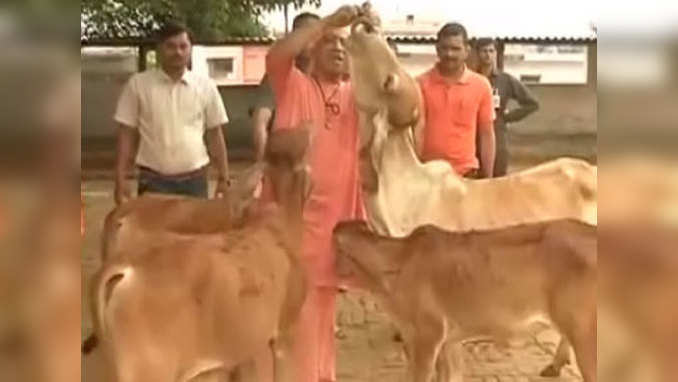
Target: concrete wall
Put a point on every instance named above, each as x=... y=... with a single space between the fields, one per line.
x=565 y=110
x=103 y=78
x=566 y=123
x=238 y=100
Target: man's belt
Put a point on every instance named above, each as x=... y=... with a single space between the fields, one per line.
x=175 y=177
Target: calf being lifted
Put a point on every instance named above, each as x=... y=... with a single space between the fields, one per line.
x=442 y=287
x=191 y=305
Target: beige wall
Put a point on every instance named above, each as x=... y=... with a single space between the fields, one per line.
x=566 y=123
x=564 y=110
x=102 y=80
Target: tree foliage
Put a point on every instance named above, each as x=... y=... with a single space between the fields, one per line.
x=208 y=19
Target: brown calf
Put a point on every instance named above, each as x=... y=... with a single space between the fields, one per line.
x=172 y=306
x=638 y=290
x=444 y=287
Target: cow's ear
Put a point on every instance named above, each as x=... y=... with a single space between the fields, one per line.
x=242 y=195
x=391 y=83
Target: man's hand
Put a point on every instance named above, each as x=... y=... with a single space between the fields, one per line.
x=487 y=150
x=128 y=141
x=216 y=148
x=368 y=14
x=343 y=16
x=222 y=188
x=122 y=192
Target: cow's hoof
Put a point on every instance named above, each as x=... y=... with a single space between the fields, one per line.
x=550 y=372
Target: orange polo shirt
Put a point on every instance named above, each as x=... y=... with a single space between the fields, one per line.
x=454 y=110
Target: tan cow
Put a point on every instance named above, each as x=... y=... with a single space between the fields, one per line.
x=159 y=213
x=40 y=289
x=638 y=290
x=638 y=273
x=411 y=194
x=153 y=214
x=185 y=305
x=444 y=287
x=402 y=193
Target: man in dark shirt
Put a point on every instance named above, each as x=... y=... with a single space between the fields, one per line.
x=264 y=109
x=504 y=88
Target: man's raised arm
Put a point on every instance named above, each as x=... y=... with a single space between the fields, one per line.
x=280 y=58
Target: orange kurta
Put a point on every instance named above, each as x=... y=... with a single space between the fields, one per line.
x=333 y=158
x=335 y=196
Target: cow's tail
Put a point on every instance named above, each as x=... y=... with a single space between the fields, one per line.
x=102 y=290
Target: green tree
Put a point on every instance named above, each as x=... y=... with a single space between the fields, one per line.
x=209 y=19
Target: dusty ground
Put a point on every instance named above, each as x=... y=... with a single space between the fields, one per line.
x=366 y=349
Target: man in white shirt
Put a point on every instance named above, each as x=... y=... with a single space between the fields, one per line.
x=174 y=118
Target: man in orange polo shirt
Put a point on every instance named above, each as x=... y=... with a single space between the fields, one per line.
x=458 y=105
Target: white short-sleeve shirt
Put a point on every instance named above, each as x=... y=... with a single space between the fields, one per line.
x=172 y=117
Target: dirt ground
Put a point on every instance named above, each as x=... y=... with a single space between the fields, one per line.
x=367 y=351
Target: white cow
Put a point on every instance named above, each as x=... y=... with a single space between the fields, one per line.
x=411 y=194
x=402 y=193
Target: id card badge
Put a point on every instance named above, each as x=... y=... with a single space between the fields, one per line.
x=496 y=98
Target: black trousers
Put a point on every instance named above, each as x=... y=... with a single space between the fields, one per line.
x=501 y=159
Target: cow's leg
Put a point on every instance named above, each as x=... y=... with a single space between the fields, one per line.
x=428 y=338
x=581 y=330
x=282 y=351
x=584 y=343
x=450 y=362
x=560 y=359
x=264 y=364
x=573 y=310
x=442 y=368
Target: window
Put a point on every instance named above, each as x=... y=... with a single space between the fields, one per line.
x=530 y=78
x=220 y=68
x=560 y=64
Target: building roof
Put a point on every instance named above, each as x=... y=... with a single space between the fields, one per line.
x=419 y=34
x=418 y=39
x=150 y=42
x=532 y=30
